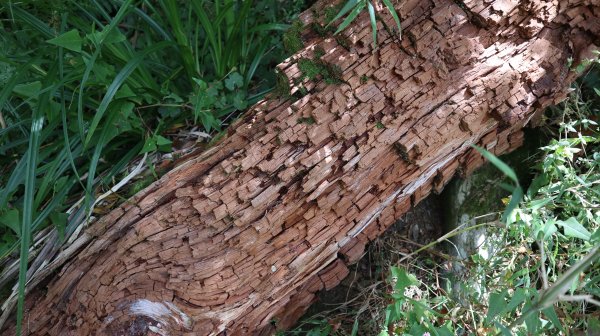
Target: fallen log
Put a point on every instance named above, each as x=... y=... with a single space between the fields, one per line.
x=239 y=239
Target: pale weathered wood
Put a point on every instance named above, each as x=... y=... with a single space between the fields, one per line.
x=245 y=234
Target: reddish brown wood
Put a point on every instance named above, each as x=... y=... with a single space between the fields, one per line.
x=245 y=234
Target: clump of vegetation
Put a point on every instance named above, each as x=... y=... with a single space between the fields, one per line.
x=315 y=69
x=282 y=85
x=321 y=30
x=402 y=153
x=292 y=39
x=306 y=120
x=331 y=11
x=343 y=41
x=319 y=52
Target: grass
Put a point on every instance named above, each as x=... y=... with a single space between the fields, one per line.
x=85 y=88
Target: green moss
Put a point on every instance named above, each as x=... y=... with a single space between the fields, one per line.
x=140 y=185
x=301 y=92
x=322 y=30
x=292 y=39
x=331 y=12
x=401 y=151
x=310 y=69
x=308 y=120
x=282 y=85
x=342 y=41
x=315 y=69
x=319 y=52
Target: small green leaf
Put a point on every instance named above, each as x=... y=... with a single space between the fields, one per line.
x=69 y=40
x=504 y=168
x=106 y=36
x=10 y=218
x=59 y=220
x=163 y=144
x=595 y=236
x=149 y=145
x=550 y=313
x=239 y=101
x=28 y=90
x=403 y=279
x=538 y=182
x=497 y=305
x=574 y=229
x=532 y=321
x=234 y=80
x=539 y=203
x=355 y=327
x=503 y=329
x=518 y=297
x=548 y=229
x=509 y=214
x=201 y=84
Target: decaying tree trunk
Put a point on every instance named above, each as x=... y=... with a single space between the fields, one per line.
x=239 y=239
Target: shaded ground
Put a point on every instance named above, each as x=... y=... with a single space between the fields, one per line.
x=362 y=293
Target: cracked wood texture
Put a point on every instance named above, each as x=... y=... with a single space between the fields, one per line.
x=239 y=239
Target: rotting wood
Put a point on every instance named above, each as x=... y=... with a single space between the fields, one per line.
x=240 y=239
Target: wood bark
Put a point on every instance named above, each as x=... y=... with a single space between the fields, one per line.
x=239 y=239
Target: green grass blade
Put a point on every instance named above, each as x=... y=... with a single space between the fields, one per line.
x=116 y=84
x=255 y=62
x=171 y=9
x=32 y=21
x=63 y=107
x=209 y=30
x=13 y=126
x=392 y=10
x=347 y=7
x=28 y=205
x=515 y=199
x=373 y=21
x=269 y=27
x=153 y=24
x=84 y=79
x=350 y=18
x=504 y=168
